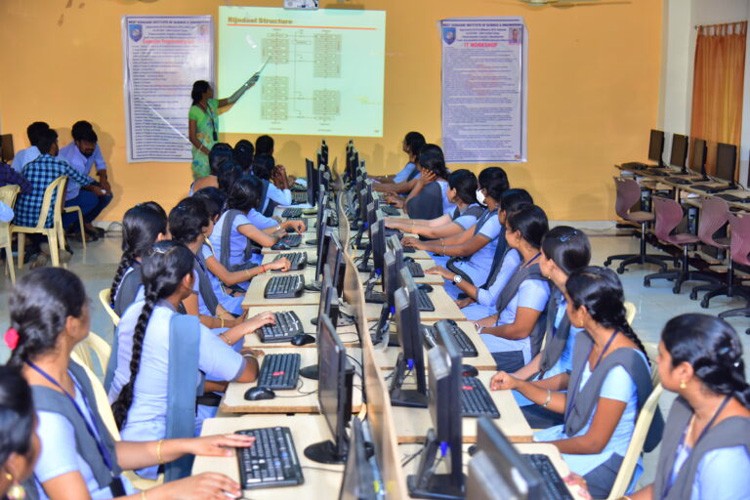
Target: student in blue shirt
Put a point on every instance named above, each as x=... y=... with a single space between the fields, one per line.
x=705 y=452
x=597 y=428
x=220 y=153
x=49 y=315
x=473 y=250
x=277 y=192
x=428 y=199
x=142 y=226
x=404 y=180
x=462 y=192
x=24 y=156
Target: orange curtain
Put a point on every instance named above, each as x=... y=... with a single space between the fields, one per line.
x=717 y=86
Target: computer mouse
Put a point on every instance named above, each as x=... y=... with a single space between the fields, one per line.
x=280 y=245
x=469 y=371
x=408 y=259
x=259 y=393
x=302 y=339
x=472 y=450
x=425 y=287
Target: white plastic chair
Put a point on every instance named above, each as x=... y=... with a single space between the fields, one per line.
x=104 y=298
x=8 y=196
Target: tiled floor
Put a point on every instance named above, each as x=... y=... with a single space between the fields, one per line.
x=656 y=304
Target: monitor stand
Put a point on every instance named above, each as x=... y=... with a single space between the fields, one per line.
x=325 y=452
x=425 y=483
x=410 y=398
x=309 y=372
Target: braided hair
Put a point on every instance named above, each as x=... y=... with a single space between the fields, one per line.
x=163 y=269
x=140 y=227
x=713 y=348
x=40 y=304
x=17 y=420
x=600 y=290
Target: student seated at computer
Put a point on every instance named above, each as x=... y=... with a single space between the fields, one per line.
x=564 y=251
x=236 y=236
x=244 y=154
x=428 y=199
x=462 y=192
x=220 y=152
x=75 y=462
x=404 y=180
x=481 y=301
x=609 y=382
x=222 y=280
x=514 y=333
x=275 y=184
x=142 y=226
x=472 y=251
x=705 y=451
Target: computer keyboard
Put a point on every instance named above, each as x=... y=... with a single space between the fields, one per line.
x=476 y=400
x=291 y=240
x=679 y=180
x=711 y=188
x=390 y=210
x=271 y=461
x=285 y=287
x=462 y=341
x=553 y=485
x=636 y=165
x=293 y=213
x=424 y=302
x=299 y=197
x=297 y=259
x=415 y=269
x=279 y=371
x=287 y=326
x=732 y=198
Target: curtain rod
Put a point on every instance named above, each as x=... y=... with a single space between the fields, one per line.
x=698 y=26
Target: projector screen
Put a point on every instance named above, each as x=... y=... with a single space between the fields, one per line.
x=322 y=71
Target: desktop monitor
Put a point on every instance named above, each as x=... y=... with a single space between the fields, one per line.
x=359 y=478
x=678 y=156
x=656 y=147
x=391 y=267
x=700 y=152
x=444 y=405
x=315 y=179
x=726 y=162
x=324 y=151
x=328 y=306
x=310 y=172
x=324 y=241
x=6 y=148
x=336 y=263
x=411 y=357
x=335 y=378
x=377 y=242
x=498 y=470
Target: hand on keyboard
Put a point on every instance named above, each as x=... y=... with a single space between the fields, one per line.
x=297 y=225
x=260 y=320
x=411 y=242
x=503 y=381
x=439 y=270
x=220 y=445
x=281 y=264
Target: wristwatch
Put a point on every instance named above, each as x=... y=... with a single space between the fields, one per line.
x=458 y=279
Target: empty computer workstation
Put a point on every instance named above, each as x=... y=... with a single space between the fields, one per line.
x=370 y=385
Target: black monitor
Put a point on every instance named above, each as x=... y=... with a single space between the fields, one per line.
x=678 y=156
x=315 y=179
x=726 y=162
x=336 y=263
x=377 y=242
x=324 y=151
x=328 y=306
x=391 y=267
x=700 y=152
x=411 y=357
x=324 y=240
x=359 y=479
x=444 y=439
x=311 y=172
x=656 y=147
x=498 y=470
x=335 y=378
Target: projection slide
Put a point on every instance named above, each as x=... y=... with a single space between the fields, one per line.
x=322 y=71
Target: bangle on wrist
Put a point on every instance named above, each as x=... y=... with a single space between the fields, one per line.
x=159 y=459
x=247 y=272
x=549 y=398
x=263 y=268
x=225 y=338
x=143 y=494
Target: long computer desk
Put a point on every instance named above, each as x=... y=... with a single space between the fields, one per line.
x=393 y=429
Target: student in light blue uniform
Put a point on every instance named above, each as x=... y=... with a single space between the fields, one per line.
x=472 y=251
x=142 y=226
x=481 y=302
x=64 y=400
x=564 y=251
x=513 y=334
x=265 y=168
x=428 y=199
x=596 y=305
x=705 y=452
x=138 y=392
x=405 y=179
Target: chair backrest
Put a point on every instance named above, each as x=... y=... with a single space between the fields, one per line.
x=628 y=193
x=105 y=301
x=652 y=351
x=55 y=189
x=630 y=311
x=8 y=195
x=94 y=346
x=740 y=243
x=714 y=215
x=668 y=215
x=642 y=425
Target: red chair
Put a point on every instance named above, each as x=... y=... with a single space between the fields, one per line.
x=739 y=250
x=628 y=194
x=714 y=216
x=668 y=216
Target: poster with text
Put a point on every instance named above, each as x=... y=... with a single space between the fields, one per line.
x=163 y=56
x=484 y=89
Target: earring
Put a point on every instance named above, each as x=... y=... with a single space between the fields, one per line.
x=16 y=491
x=683 y=385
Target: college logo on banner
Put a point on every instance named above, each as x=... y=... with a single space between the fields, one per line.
x=136 y=32
x=449 y=35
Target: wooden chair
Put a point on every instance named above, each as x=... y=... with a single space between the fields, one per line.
x=105 y=300
x=8 y=196
x=55 y=234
